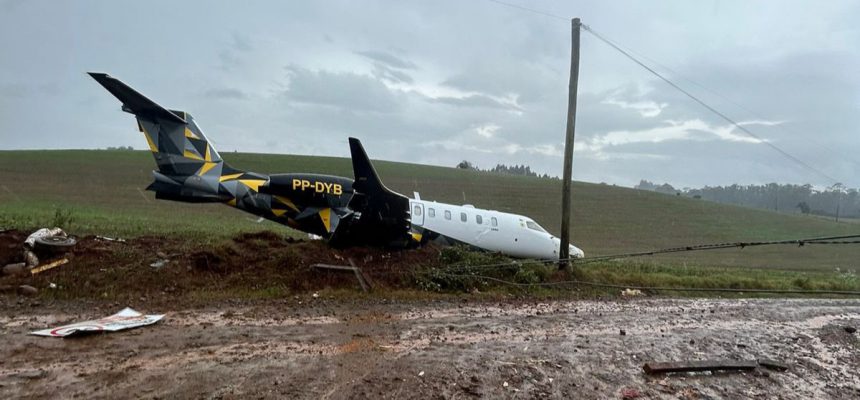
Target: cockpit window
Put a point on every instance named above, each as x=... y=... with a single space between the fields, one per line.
x=534 y=226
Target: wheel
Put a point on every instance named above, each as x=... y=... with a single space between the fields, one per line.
x=54 y=244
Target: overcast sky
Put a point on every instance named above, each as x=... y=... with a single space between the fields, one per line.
x=436 y=82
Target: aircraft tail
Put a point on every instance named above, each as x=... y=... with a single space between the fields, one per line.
x=384 y=213
x=189 y=167
x=366 y=179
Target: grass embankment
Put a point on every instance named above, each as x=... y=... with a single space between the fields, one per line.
x=102 y=193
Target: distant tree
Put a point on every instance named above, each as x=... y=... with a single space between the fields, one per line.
x=804 y=207
x=466 y=165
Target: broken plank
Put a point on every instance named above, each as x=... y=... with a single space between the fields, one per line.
x=699 y=366
x=772 y=364
x=362 y=281
x=45 y=267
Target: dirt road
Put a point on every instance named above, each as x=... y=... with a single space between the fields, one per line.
x=317 y=348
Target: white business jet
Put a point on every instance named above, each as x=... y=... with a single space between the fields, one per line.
x=510 y=234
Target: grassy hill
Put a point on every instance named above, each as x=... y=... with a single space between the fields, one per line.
x=103 y=192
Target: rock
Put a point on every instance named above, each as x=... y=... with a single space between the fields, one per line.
x=622 y=332
x=850 y=329
x=15 y=269
x=27 y=290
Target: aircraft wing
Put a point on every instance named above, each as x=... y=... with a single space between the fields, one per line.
x=385 y=214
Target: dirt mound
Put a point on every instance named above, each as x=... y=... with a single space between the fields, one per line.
x=10 y=247
x=251 y=265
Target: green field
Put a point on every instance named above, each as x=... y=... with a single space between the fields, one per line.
x=103 y=191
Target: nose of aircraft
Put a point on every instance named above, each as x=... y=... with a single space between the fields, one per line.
x=575 y=252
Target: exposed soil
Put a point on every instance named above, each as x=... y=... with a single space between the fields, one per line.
x=252 y=265
x=301 y=345
x=326 y=349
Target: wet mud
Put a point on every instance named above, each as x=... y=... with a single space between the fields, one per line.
x=320 y=348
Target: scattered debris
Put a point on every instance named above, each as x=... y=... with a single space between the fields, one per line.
x=362 y=280
x=52 y=285
x=54 y=244
x=15 y=269
x=50 y=265
x=110 y=239
x=850 y=329
x=30 y=258
x=32 y=374
x=160 y=263
x=773 y=364
x=125 y=319
x=421 y=373
x=630 y=393
x=699 y=366
x=505 y=384
x=27 y=290
x=315 y=295
x=44 y=232
x=631 y=293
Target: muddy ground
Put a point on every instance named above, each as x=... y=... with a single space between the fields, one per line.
x=244 y=320
x=319 y=348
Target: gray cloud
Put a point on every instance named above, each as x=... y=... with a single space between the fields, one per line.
x=226 y=93
x=344 y=90
x=387 y=58
x=477 y=81
x=382 y=71
x=475 y=100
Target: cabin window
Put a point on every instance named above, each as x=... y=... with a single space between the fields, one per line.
x=417 y=211
x=447 y=214
x=494 y=221
x=431 y=212
x=479 y=219
x=463 y=217
x=534 y=226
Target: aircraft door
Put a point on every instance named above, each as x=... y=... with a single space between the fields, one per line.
x=417 y=214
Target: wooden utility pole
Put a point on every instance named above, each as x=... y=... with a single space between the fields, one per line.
x=564 y=250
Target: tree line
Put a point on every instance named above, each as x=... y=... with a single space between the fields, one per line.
x=835 y=201
x=522 y=170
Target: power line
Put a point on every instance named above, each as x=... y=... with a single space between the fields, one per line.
x=688 y=94
x=531 y=10
x=729 y=100
x=824 y=240
x=707 y=106
x=656 y=288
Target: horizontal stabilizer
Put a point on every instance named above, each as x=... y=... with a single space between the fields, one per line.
x=132 y=101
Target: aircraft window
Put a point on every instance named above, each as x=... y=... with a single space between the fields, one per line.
x=494 y=221
x=447 y=214
x=431 y=212
x=417 y=211
x=479 y=219
x=534 y=226
x=463 y=217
